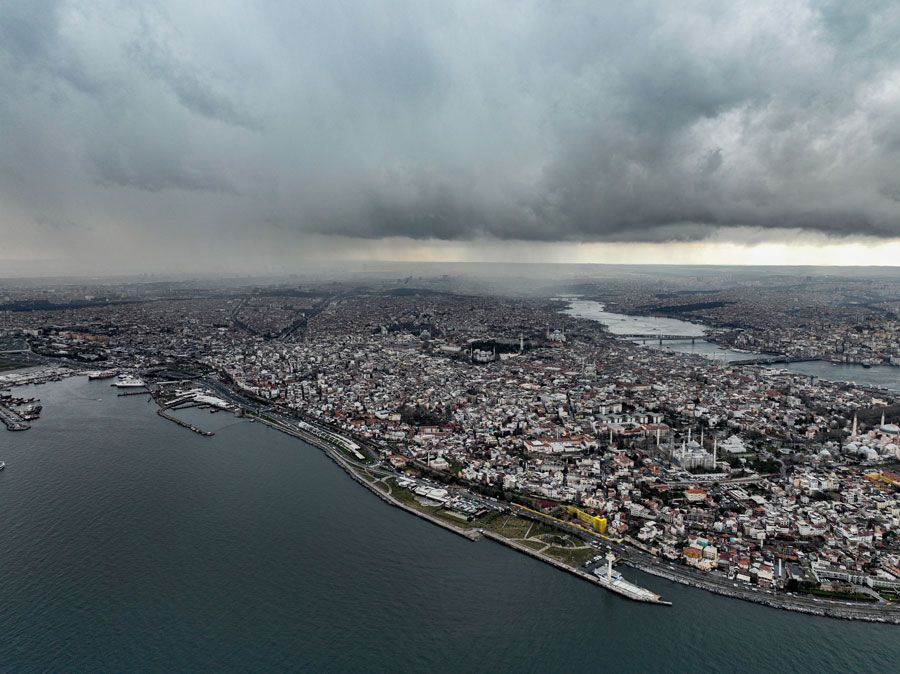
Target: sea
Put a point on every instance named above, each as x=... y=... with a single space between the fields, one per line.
x=128 y=543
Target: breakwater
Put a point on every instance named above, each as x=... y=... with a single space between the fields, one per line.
x=184 y=424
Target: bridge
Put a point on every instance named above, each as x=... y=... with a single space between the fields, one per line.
x=643 y=337
x=772 y=360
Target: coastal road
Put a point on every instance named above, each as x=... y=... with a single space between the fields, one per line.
x=721 y=585
x=636 y=558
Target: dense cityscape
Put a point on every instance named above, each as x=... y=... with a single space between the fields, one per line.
x=496 y=411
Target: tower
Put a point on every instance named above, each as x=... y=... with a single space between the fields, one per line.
x=610 y=558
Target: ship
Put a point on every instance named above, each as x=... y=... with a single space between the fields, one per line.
x=127 y=381
x=104 y=374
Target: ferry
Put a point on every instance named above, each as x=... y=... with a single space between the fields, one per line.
x=103 y=374
x=127 y=381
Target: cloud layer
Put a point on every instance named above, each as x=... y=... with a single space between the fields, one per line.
x=544 y=120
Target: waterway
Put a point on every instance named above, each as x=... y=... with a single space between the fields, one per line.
x=129 y=543
x=885 y=376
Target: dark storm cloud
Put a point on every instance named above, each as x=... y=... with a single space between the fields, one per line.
x=548 y=121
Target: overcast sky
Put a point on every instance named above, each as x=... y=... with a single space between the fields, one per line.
x=225 y=133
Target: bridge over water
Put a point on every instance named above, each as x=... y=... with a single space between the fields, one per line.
x=645 y=336
x=772 y=360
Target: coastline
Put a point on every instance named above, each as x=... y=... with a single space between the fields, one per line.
x=332 y=454
x=823 y=608
x=473 y=534
x=470 y=534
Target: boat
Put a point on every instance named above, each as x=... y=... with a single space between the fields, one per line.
x=103 y=374
x=127 y=381
x=2 y=465
x=31 y=412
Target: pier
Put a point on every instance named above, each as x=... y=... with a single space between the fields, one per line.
x=165 y=415
x=12 y=420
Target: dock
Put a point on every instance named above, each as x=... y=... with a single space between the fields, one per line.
x=199 y=431
x=12 y=420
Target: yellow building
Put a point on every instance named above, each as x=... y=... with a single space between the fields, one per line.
x=596 y=522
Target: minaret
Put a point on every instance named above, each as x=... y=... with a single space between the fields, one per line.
x=701 y=436
x=715 y=451
x=882 y=418
x=689 y=435
x=853 y=435
x=521 y=343
x=657 y=436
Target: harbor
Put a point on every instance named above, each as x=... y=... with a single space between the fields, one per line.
x=12 y=420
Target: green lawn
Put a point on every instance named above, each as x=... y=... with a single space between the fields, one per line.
x=573 y=557
x=506 y=525
x=852 y=596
